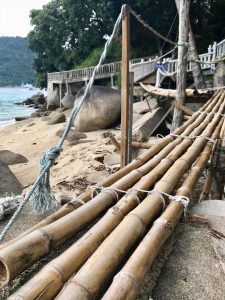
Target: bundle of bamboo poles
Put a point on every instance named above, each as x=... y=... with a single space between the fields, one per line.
x=95 y=257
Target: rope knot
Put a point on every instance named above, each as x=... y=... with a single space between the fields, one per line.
x=50 y=155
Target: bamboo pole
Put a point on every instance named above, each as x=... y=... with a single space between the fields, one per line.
x=88 y=243
x=209 y=178
x=172 y=93
x=67 y=208
x=126 y=282
x=181 y=61
x=97 y=270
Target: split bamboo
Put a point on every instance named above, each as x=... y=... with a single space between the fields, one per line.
x=126 y=282
x=80 y=251
x=67 y=208
x=95 y=273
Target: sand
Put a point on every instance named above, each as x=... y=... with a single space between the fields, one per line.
x=33 y=136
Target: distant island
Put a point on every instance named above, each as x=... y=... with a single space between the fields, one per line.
x=15 y=62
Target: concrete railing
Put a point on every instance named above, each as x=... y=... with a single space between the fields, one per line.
x=83 y=74
x=141 y=67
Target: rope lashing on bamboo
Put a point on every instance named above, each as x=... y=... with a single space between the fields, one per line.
x=193 y=137
x=160 y=136
x=209 y=113
x=182 y=199
x=40 y=194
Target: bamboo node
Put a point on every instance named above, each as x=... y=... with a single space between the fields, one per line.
x=129 y=277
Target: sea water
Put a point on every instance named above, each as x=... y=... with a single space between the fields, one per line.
x=10 y=95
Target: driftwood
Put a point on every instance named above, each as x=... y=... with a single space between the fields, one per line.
x=172 y=93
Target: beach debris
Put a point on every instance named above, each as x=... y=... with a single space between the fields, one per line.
x=59 y=118
x=10 y=158
x=8 y=205
x=100 y=110
x=9 y=184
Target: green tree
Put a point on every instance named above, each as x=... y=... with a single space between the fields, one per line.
x=65 y=33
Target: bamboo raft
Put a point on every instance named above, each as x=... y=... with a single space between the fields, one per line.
x=135 y=224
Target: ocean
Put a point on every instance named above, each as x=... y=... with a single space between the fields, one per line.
x=10 y=95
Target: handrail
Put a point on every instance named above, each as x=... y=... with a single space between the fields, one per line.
x=215 y=51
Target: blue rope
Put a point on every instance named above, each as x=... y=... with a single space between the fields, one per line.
x=40 y=194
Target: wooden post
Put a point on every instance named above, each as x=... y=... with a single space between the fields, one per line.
x=182 y=61
x=125 y=86
x=130 y=116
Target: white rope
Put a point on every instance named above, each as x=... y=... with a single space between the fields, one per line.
x=151 y=28
x=183 y=199
x=160 y=136
x=209 y=113
x=193 y=137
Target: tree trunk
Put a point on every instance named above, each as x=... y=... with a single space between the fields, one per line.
x=181 y=61
x=193 y=55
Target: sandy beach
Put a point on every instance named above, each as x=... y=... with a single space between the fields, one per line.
x=33 y=136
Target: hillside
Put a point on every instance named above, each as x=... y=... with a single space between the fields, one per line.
x=15 y=61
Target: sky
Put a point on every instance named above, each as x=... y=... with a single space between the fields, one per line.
x=14 y=16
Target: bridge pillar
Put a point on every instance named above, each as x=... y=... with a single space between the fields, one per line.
x=158 y=79
x=112 y=81
x=60 y=93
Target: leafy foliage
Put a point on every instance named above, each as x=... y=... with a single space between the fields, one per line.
x=15 y=62
x=68 y=34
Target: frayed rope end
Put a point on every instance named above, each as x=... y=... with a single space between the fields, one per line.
x=42 y=198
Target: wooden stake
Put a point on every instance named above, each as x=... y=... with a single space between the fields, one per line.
x=182 y=61
x=183 y=108
x=125 y=86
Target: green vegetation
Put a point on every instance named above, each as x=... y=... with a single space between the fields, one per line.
x=68 y=34
x=15 y=62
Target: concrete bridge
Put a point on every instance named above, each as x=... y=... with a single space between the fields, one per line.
x=71 y=81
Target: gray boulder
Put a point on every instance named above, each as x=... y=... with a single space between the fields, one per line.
x=11 y=158
x=68 y=101
x=59 y=118
x=100 y=110
x=219 y=75
x=53 y=100
x=73 y=135
x=9 y=184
